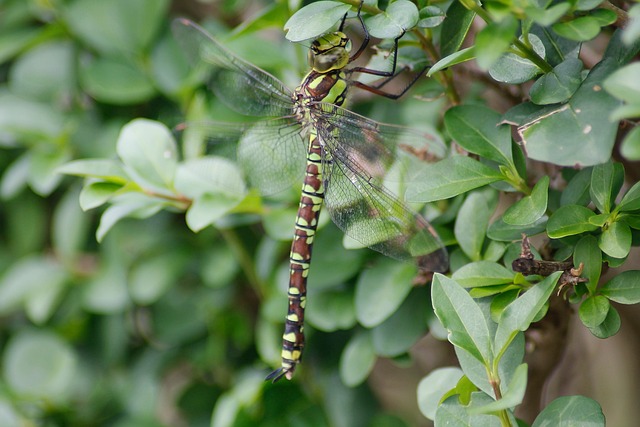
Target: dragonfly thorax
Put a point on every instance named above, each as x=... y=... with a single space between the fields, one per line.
x=329 y=52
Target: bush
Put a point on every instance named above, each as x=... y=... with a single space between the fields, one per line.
x=162 y=324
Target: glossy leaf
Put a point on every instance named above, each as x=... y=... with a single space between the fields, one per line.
x=452 y=413
x=357 y=360
x=314 y=20
x=624 y=288
x=624 y=84
x=593 y=311
x=631 y=199
x=630 y=147
x=514 y=69
x=609 y=327
x=519 y=314
x=433 y=387
x=546 y=17
x=475 y=129
x=606 y=181
x=580 y=29
x=471 y=225
x=400 y=331
x=450 y=177
x=400 y=16
x=331 y=310
x=451 y=60
x=149 y=153
x=493 y=40
x=577 y=189
x=530 y=208
x=503 y=232
x=574 y=133
x=455 y=28
x=462 y=317
x=571 y=410
x=380 y=291
x=430 y=17
x=588 y=253
x=512 y=397
x=570 y=220
x=482 y=273
x=615 y=240
x=558 y=85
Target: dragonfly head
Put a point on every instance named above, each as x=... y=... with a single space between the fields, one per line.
x=329 y=52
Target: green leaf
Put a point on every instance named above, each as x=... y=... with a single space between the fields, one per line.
x=558 y=85
x=149 y=154
x=615 y=240
x=434 y=386
x=104 y=169
x=511 y=398
x=514 y=69
x=606 y=181
x=577 y=190
x=332 y=310
x=45 y=72
x=571 y=410
x=546 y=17
x=609 y=327
x=493 y=40
x=631 y=199
x=452 y=413
x=132 y=205
x=118 y=26
x=503 y=232
x=38 y=364
x=580 y=29
x=475 y=129
x=30 y=282
x=314 y=20
x=529 y=209
x=471 y=225
x=404 y=328
x=97 y=194
x=114 y=81
x=593 y=311
x=357 y=360
x=520 y=313
x=623 y=83
x=482 y=273
x=150 y=279
x=588 y=253
x=399 y=17
x=453 y=59
x=455 y=28
x=604 y=17
x=450 y=177
x=380 y=291
x=430 y=17
x=630 y=148
x=574 y=133
x=570 y=220
x=623 y=288
x=462 y=317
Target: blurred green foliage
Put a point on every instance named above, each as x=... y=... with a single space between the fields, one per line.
x=158 y=325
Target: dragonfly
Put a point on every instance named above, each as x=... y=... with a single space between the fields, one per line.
x=341 y=157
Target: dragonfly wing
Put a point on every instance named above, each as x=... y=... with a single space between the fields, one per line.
x=369 y=214
x=358 y=152
x=273 y=153
x=243 y=87
x=373 y=146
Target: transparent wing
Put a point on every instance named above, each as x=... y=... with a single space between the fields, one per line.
x=272 y=153
x=358 y=152
x=243 y=87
